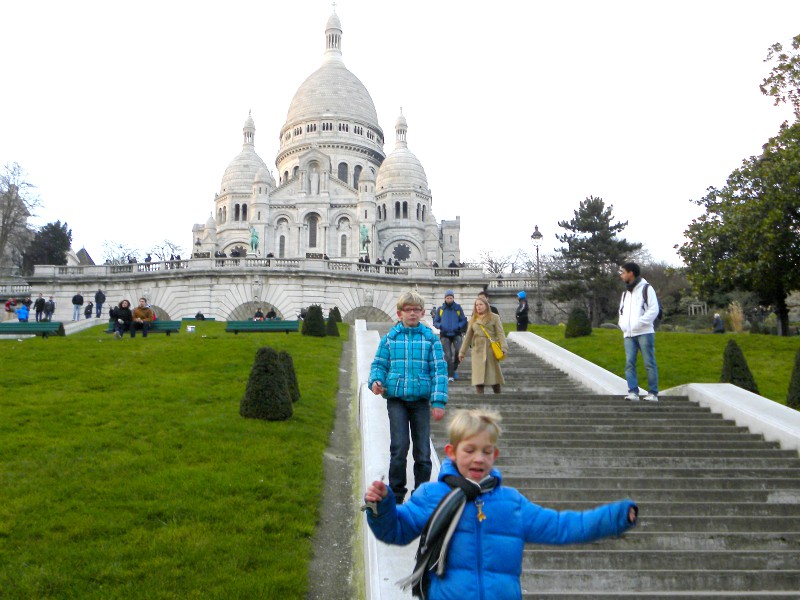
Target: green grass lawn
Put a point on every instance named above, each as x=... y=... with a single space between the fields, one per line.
x=127 y=472
x=688 y=357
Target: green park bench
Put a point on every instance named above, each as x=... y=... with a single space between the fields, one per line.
x=42 y=328
x=155 y=327
x=262 y=326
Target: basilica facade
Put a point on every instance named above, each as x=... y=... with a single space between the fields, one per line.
x=338 y=195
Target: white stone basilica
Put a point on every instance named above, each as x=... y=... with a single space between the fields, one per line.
x=338 y=194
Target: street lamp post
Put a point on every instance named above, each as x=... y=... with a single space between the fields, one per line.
x=536 y=238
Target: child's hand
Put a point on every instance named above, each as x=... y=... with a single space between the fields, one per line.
x=438 y=414
x=376 y=492
x=460 y=358
x=633 y=512
x=377 y=388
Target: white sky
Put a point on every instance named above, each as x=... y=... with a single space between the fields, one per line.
x=126 y=115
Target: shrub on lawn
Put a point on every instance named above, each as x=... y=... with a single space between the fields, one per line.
x=267 y=393
x=291 y=375
x=330 y=327
x=793 y=398
x=578 y=324
x=735 y=369
x=314 y=322
x=336 y=314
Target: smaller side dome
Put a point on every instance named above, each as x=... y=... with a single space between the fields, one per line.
x=367 y=175
x=211 y=223
x=334 y=22
x=264 y=176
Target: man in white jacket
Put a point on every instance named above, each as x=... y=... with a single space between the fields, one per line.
x=636 y=317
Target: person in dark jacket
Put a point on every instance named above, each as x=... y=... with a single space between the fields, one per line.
x=449 y=319
x=522 y=312
x=719 y=326
x=474 y=541
x=49 y=309
x=123 y=317
x=87 y=312
x=77 y=304
x=38 y=306
x=99 y=300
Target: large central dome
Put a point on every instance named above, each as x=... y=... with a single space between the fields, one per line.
x=332 y=90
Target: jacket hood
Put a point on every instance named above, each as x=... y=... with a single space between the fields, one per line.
x=420 y=329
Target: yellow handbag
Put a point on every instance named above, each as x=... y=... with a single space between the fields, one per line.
x=496 y=348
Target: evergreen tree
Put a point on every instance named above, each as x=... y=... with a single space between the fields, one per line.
x=267 y=393
x=314 y=323
x=589 y=263
x=735 y=369
x=793 y=398
x=578 y=324
x=291 y=375
x=337 y=315
x=331 y=328
x=49 y=246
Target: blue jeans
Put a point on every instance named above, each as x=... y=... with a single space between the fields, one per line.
x=76 y=312
x=451 y=346
x=99 y=308
x=403 y=416
x=646 y=344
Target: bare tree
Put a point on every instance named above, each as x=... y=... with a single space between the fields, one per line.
x=165 y=250
x=17 y=203
x=494 y=264
x=116 y=253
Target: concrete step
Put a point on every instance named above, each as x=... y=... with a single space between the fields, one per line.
x=669 y=580
x=788 y=484
x=587 y=558
x=545 y=496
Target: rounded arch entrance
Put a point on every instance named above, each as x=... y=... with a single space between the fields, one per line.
x=367 y=313
x=245 y=311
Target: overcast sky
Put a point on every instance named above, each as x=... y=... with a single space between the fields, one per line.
x=125 y=116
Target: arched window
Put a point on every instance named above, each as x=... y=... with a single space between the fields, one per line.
x=285 y=176
x=356 y=175
x=405 y=210
x=343 y=248
x=244 y=212
x=344 y=223
x=342 y=173
x=385 y=215
x=312 y=231
x=224 y=214
x=396 y=210
x=219 y=216
x=236 y=213
x=282 y=247
x=423 y=213
x=295 y=172
x=418 y=212
x=379 y=213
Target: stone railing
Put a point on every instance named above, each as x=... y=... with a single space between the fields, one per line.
x=418 y=269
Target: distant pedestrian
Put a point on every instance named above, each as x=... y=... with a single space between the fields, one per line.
x=77 y=306
x=522 y=312
x=49 y=309
x=22 y=313
x=87 y=312
x=484 y=328
x=638 y=310
x=719 y=326
x=99 y=300
x=38 y=306
x=450 y=320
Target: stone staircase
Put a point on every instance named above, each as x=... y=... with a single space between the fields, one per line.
x=719 y=508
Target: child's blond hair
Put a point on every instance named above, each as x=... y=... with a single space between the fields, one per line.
x=410 y=298
x=467 y=423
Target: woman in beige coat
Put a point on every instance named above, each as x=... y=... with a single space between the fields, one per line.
x=485 y=367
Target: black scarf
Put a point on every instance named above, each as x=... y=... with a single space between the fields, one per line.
x=434 y=540
x=630 y=286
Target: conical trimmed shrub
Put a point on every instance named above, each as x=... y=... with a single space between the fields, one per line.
x=330 y=327
x=314 y=322
x=735 y=369
x=336 y=314
x=267 y=393
x=291 y=375
x=578 y=324
x=793 y=398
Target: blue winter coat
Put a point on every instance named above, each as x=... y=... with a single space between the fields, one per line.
x=410 y=365
x=450 y=319
x=485 y=557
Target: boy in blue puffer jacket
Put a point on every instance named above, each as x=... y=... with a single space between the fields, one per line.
x=472 y=528
x=410 y=370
